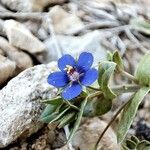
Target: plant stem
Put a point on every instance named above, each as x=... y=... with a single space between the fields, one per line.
x=109 y=124
x=67 y=132
x=129 y=76
x=117 y=89
x=71 y=105
x=93 y=88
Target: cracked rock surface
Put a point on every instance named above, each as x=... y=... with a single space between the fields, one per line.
x=19 y=103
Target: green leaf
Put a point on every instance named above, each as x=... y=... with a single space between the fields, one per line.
x=102 y=106
x=135 y=139
x=130 y=144
x=143 y=145
x=106 y=70
x=140 y=25
x=79 y=117
x=48 y=113
x=59 y=115
x=142 y=73
x=54 y=101
x=97 y=107
x=109 y=56
x=129 y=113
x=118 y=60
x=66 y=119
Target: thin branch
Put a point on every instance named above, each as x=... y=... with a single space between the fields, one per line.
x=109 y=124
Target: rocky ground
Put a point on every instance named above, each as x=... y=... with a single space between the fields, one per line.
x=33 y=33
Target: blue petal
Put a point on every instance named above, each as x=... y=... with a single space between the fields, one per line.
x=85 y=60
x=58 y=79
x=89 y=77
x=66 y=60
x=72 y=91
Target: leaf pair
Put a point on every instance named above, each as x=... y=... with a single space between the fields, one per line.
x=57 y=111
x=63 y=113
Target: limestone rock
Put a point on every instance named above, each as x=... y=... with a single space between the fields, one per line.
x=75 y=45
x=22 y=60
x=7 y=68
x=87 y=135
x=63 y=21
x=19 y=103
x=19 y=36
x=29 y=5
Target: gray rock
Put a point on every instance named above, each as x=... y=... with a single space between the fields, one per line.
x=20 y=107
x=29 y=5
x=7 y=68
x=27 y=42
x=75 y=45
x=63 y=21
x=87 y=136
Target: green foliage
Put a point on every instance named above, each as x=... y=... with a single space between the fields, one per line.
x=135 y=144
x=118 y=60
x=78 y=120
x=129 y=112
x=98 y=101
x=55 y=101
x=97 y=107
x=106 y=70
x=143 y=70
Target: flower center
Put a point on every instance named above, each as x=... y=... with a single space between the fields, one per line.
x=72 y=73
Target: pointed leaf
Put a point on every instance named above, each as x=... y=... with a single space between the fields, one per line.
x=79 y=117
x=118 y=60
x=66 y=119
x=129 y=113
x=54 y=101
x=48 y=113
x=143 y=70
x=60 y=114
x=106 y=70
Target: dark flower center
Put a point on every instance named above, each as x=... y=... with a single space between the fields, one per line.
x=73 y=74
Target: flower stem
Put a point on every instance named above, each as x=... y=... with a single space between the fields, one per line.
x=109 y=124
x=118 y=89
x=93 y=88
x=71 y=105
x=129 y=76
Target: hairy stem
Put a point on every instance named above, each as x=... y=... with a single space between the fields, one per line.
x=109 y=124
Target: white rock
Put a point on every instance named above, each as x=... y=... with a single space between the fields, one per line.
x=19 y=103
x=20 y=37
x=29 y=5
x=87 y=136
x=75 y=45
x=63 y=21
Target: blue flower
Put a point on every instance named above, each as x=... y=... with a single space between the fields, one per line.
x=73 y=74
